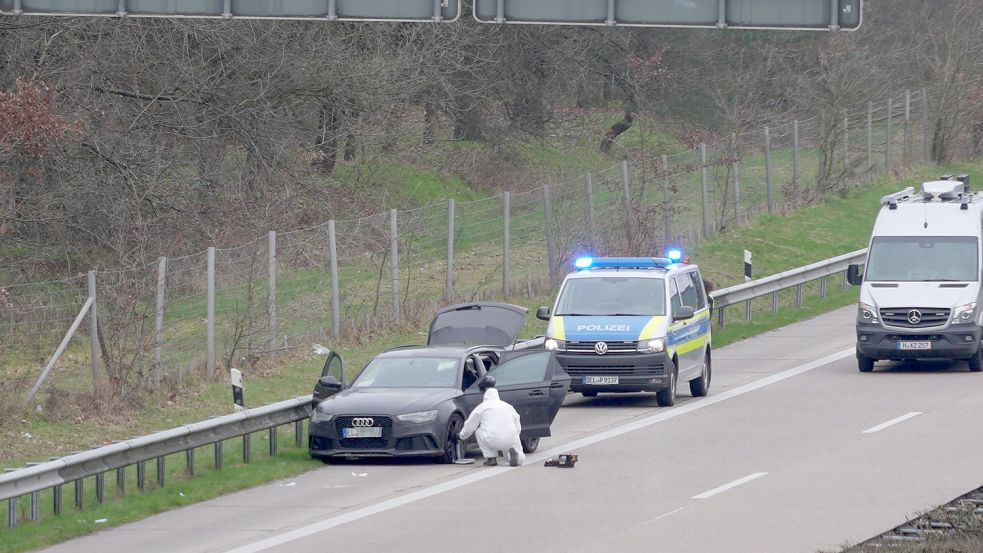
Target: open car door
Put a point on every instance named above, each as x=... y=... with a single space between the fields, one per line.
x=534 y=383
x=332 y=379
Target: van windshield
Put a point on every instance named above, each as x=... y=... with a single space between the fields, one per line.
x=612 y=296
x=921 y=258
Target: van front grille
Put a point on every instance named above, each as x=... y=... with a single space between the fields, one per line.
x=914 y=317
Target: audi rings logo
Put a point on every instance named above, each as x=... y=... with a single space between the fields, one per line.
x=363 y=422
x=914 y=316
x=601 y=348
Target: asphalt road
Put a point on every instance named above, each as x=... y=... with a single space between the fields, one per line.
x=794 y=450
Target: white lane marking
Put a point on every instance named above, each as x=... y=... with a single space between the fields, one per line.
x=730 y=485
x=670 y=513
x=477 y=475
x=892 y=422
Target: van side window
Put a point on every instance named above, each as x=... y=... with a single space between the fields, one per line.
x=701 y=294
x=674 y=297
x=687 y=291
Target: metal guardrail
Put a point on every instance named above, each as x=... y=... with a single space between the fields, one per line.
x=32 y=480
x=794 y=278
x=137 y=451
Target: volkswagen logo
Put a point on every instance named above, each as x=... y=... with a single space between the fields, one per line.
x=601 y=348
x=362 y=422
x=914 y=316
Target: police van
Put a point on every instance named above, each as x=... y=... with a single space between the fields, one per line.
x=920 y=296
x=632 y=324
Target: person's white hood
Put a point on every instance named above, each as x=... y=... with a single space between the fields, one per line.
x=491 y=394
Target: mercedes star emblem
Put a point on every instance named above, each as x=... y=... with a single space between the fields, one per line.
x=601 y=348
x=914 y=316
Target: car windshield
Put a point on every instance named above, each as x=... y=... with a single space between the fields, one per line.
x=918 y=259
x=409 y=372
x=612 y=296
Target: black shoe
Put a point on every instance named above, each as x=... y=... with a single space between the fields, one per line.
x=493 y=462
x=513 y=457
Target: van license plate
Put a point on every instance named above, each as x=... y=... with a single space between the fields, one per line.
x=600 y=380
x=915 y=345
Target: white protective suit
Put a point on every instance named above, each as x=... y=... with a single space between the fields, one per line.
x=496 y=425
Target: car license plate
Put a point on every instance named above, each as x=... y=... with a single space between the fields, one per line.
x=915 y=345
x=369 y=432
x=600 y=380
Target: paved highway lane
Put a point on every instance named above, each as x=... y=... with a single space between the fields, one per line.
x=794 y=450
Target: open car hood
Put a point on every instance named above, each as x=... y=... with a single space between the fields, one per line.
x=477 y=323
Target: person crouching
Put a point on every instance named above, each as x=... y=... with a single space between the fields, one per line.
x=496 y=425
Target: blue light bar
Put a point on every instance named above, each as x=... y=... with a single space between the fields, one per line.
x=622 y=263
x=674 y=254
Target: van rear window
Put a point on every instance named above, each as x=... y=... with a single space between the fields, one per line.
x=923 y=259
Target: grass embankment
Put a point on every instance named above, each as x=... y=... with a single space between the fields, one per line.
x=831 y=227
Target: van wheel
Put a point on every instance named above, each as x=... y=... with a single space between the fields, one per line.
x=699 y=387
x=529 y=445
x=667 y=397
x=976 y=361
x=865 y=364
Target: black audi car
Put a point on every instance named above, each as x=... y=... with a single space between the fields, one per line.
x=413 y=400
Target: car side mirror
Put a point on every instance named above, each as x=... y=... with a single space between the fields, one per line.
x=683 y=313
x=543 y=313
x=853 y=275
x=330 y=382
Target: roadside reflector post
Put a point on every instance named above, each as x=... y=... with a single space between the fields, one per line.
x=747 y=278
x=238 y=400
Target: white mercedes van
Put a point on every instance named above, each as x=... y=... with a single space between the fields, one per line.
x=920 y=293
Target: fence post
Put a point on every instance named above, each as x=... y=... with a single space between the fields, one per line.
x=704 y=198
x=870 y=140
x=666 y=206
x=335 y=305
x=771 y=202
x=846 y=153
x=93 y=329
x=736 y=171
x=210 y=314
x=271 y=275
x=591 y=223
x=795 y=154
x=394 y=254
x=159 y=320
x=928 y=152
x=627 y=198
x=449 y=284
x=890 y=130
x=906 y=155
x=506 y=237
x=550 y=246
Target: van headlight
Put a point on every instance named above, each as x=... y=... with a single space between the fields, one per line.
x=964 y=314
x=867 y=313
x=657 y=345
x=552 y=344
x=419 y=416
x=320 y=417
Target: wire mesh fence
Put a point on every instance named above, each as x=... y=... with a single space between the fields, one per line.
x=236 y=307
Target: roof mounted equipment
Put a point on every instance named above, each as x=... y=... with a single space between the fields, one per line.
x=891 y=200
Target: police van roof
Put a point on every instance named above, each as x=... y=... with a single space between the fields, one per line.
x=660 y=272
x=930 y=218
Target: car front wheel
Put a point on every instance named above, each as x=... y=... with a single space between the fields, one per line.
x=529 y=445
x=450 y=450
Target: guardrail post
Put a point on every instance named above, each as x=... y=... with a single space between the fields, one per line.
x=161 y=470
x=890 y=130
x=506 y=245
x=449 y=283
x=141 y=476
x=394 y=253
x=768 y=182
x=299 y=433
x=93 y=329
x=271 y=279
x=704 y=196
x=927 y=152
x=218 y=448
x=846 y=283
x=666 y=201
x=795 y=154
x=121 y=481
x=822 y=288
x=747 y=311
x=159 y=321
x=100 y=487
x=774 y=302
x=56 y=500
x=36 y=506
x=189 y=456
x=274 y=443
x=335 y=303
x=870 y=140
x=798 y=295
x=12 y=512
x=210 y=317
x=550 y=243
x=720 y=316
x=246 y=448
x=79 y=493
